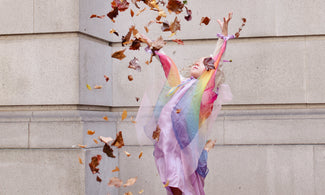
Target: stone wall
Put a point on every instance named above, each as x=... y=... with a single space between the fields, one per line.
x=270 y=138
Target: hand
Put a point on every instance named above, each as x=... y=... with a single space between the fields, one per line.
x=224 y=25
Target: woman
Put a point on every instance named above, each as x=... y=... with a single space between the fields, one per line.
x=180 y=121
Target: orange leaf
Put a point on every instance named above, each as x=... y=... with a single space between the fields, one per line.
x=146 y=28
x=124 y=114
x=166 y=184
x=114 y=181
x=105 y=118
x=116 y=169
x=141 y=191
x=101 y=17
x=178 y=111
x=130 y=182
x=106 y=78
x=93 y=16
x=175 y=6
x=130 y=77
x=90 y=132
x=119 y=54
x=95 y=140
x=131 y=12
x=128 y=193
x=205 y=20
x=98 y=86
x=156 y=134
x=133 y=121
x=140 y=11
x=140 y=155
x=127 y=154
x=118 y=142
x=80 y=161
x=82 y=146
x=210 y=144
x=178 y=41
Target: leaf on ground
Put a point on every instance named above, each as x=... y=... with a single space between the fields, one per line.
x=105 y=118
x=95 y=160
x=130 y=182
x=127 y=154
x=189 y=14
x=135 y=65
x=112 y=14
x=98 y=179
x=116 y=169
x=178 y=41
x=114 y=181
x=205 y=20
x=140 y=155
x=90 y=132
x=137 y=99
x=119 y=54
x=118 y=142
x=124 y=115
x=132 y=120
x=175 y=6
x=156 y=133
x=146 y=29
x=80 y=161
x=105 y=140
x=130 y=77
x=88 y=86
x=108 y=151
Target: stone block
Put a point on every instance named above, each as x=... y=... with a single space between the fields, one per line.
x=319 y=169
x=315 y=48
x=95 y=62
x=39 y=70
x=14 y=135
x=16 y=16
x=42 y=171
x=56 y=16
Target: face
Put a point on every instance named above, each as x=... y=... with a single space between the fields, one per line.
x=197 y=68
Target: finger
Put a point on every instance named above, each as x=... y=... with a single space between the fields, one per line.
x=224 y=19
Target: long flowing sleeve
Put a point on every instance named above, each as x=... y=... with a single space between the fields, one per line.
x=170 y=69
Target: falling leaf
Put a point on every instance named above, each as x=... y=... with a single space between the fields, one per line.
x=135 y=3
x=88 y=86
x=116 y=169
x=105 y=118
x=146 y=28
x=178 y=111
x=156 y=133
x=133 y=121
x=80 y=161
x=95 y=160
x=131 y=12
x=161 y=13
x=114 y=31
x=135 y=45
x=93 y=16
x=166 y=184
x=127 y=154
x=119 y=54
x=178 y=41
x=106 y=78
x=95 y=140
x=189 y=14
x=137 y=99
x=130 y=77
x=130 y=182
x=122 y=5
x=114 y=181
x=98 y=87
x=98 y=179
x=105 y=140
x=124 y=114
x=147 y=62
x=209 y=63
x=112 y=14
x=118 y=142
x=158 y=44
x=140 y=11
x=90 y=132
x=175 y=26
x=108 y=151
x=165 y=26
x=127 y=37
x=82 y=146
x=205 y=20
x=175 y=6
x=141 y=191
x=140 y=155
x=128 y=193
x=135 y=65
x=210 y=144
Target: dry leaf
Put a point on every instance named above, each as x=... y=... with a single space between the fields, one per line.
x=189 y=14
x=118 y=142
x=82 y=146
x=140 y=11
x=146 y=28
x=124 y=114
x=95 y=16
x=140 y=155
x=108 y=151
x=114 y=31
x=105 y=140
x=105 y=118
x=137 y=99
x=156 y=133
x=95 y=160
x=128 y=193
x=133 y=121
x=158 y=44
x=130 y=182
x=98 y=179
x=122 y=5
x=175 y=26
x=98 y=86
x=112 y=14
x=80 y=161
x=136 y=44
x=178 y=111
x=95 y=140
x=88 y=86
x=166 y=184
x=114 y=181
x=209 y=63
x=161 y=13
x=178 y=41
x=141 y=191
x=147 y=62
x=90 y=132
x=165 y=26
x=127 y=154
x=210 y=144
x=131 y=12
x=135 y=65
x=175 y=6
x=119 y=54
x=205 y=20
x=106 y=78
x=116 y=169
x=130 y=77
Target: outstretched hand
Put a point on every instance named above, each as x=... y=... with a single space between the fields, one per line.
x=224 y=25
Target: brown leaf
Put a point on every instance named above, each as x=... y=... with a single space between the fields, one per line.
x=210 y=144
x=119 y=54
x=146 y=28
x=205 y=20
x=124 y=114
x=158 y=44
x=127 y=154
x=108 y=151
x=140 y=155
x=156 y=133
x=105 y=118
x=118 y=142
x=90 y=132
x=136 y=44
x=116 y=169
x=127 y=37
x=98 y=179
x=80 y=161
x=178 y=41
x=140 y=11
x=82 y=146
x=178 y=111
x=147 y=62
x=93 y=16
x=114 y=181
x=175 y=26
x=98 y=87
x=165 y=26
x=95 y=140
x=112 y=14
x=244 y=20
x=189 y=14
x=130 y=182
x=105 y=140
x=131 y=12
x=134 y=64
x=114 y=31
x=135 y=3
x=106 y=78
x=137 y=99
x=128 y=193
x=95 y=160
x=175 y=6
x=130 y=77
x=122 y=5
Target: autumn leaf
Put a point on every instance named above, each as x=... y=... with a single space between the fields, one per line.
x=156 y=133
x=133 y=121
x=127 y=154
x=98 y=87
x=175 y=6
x=114 y=31
x=88 y=86
x=118 y=142
x=80 y=161
x=106 y=78
x=166 y=184
x=146 y=29
x=90 y=132
x=137 y=99
x=175 y=26
x=114 y=181
x=205 y=20
x=95 y=160
x=130 y=77
x=141 y=191
x=178 y=111
x=127 y=37
x=105 y=140
x=112 y=14
x=116 y=169
x=108 y=151
x=105 y=118
x=189 y=14
x=98 y=179
x=122 y=5
x=165 y=26
x=95 y=16
x=82 y=146
x=119 y=54
x=178 y=41
x=131 y=12
x=140 y=155
x=135 y=45
x=130 y=182
x=158 y=44
x=208 y=63
x=124 y=114
x=140 y=11
x=95 y=140
x=210 y=144
x=128 y=193
x=135 y=65
x=147 y=62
